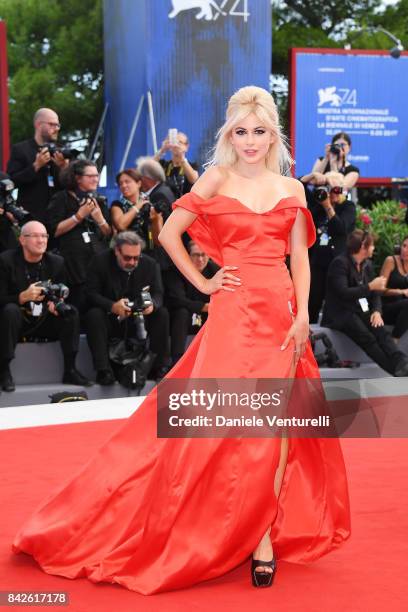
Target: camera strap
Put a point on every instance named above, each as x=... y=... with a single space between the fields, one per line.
x=172 y=169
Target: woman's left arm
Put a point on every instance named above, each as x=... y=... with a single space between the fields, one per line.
x=190 y=172
x=300 y=272
x=350 y=180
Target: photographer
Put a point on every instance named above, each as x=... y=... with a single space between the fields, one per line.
x=8 y=238
x=334 y=169
x=334 y=218
x=79 y=219
x=188 y=307
x=180 y=173
x=353 y=304
x=161 y=197
x=32 y=167
x=115 y=279
x=28 y=307
x=132 y=211
x=395 y=302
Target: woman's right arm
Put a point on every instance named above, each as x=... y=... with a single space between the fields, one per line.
x=57 y=222
x=179 y=221
x=320 y=164
x=316 y=176
x=68 y=224
x=121 y=220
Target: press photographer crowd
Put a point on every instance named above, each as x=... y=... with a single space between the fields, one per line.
x=73 y=263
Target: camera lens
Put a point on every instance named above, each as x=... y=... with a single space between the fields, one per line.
x=321 y=194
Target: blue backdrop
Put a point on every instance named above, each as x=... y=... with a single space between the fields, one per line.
x=363 y=95
x=192 y=55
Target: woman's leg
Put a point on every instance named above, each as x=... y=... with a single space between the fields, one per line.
x=396 y=314
x=264 y=550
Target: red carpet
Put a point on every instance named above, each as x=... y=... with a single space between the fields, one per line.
x=367 y=574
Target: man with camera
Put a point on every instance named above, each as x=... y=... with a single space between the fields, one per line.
x=160 y=197
x=180 y=173
x=118 y=285
x=154 y=186
x=32 y=303
x=334 y=217
x=8 y=238
x=353 y=304
x=188 y=307
x=34 y=164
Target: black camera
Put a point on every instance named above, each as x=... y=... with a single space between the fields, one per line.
x=8 y=203
x=54 y=148
x=57 y=293
x=142 y=301
x=92 y=195
x=321 y=194
x=336 y=149
x=85 y=196
x=160 y=207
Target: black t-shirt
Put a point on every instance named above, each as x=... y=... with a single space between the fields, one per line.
x=80 y=243
x=345 y=170
x=33 y=272
x=175 y=177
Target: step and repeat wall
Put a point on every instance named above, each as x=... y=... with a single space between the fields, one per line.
x=362 y=93
x=191 y=55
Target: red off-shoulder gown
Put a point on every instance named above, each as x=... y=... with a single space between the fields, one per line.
x=160 y=514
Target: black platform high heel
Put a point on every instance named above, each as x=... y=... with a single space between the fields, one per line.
x=263 y=579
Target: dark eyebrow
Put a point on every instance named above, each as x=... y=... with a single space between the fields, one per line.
x=255 y=128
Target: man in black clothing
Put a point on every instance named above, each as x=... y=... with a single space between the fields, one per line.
x=33 y=169
x=115 y=278
x=180 y=173
x=334 y=217
x=8 y=238
x=353 y=304
x=161 y=198
x=23 y=311
x=188 y=307
x=154 y=185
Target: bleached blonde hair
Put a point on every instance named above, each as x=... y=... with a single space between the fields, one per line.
x=247 y=100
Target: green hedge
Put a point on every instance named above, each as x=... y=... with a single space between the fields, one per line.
x=386 y=220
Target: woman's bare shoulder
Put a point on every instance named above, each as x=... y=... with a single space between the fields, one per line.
x=210 y=182
x=294 y=188
x=389 y=261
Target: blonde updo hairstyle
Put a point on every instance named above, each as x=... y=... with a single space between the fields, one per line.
x=242 y=103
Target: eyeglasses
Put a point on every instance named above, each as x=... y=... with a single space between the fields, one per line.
x=91 y=175
x=43 y=236
x=197 y=255
x=54 y=125
x=129 y=257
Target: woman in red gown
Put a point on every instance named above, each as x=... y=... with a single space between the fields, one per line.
x=156 y=514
